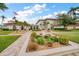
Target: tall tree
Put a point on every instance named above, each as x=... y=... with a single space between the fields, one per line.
x=3 y=17
x=14 y=25
x=66 y=20
x=3 y=6
x=73 y=9
x=25 y=23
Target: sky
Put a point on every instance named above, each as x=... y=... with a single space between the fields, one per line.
x=32 y=12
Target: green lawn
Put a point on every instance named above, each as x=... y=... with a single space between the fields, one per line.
x=72 y=35
x=5 y=41
x=5 y=32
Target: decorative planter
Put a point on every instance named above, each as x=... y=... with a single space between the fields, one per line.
x=54 y=50
x=57 y=51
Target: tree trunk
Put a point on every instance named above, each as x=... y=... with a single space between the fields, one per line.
x=2 y=23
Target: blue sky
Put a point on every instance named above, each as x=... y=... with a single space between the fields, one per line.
x=32 y=12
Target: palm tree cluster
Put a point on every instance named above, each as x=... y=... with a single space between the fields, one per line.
x=3 y=7
x=73 y=9
x=20 y=22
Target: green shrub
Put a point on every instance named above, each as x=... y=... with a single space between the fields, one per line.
x=37 y=36
x=47 y=36
x=55 y=39
x=63 y=40
x=50 y=40
x=39 y=40
x=33 y=35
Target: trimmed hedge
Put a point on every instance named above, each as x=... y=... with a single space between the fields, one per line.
x=6 y=29
x=58 y=28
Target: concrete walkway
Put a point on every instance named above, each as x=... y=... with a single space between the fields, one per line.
x=15 y=47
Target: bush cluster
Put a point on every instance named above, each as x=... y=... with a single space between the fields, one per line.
x=50 y=39
x=63 y=40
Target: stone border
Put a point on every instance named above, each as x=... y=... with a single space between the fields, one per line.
x=22 y=52
x=74 y=47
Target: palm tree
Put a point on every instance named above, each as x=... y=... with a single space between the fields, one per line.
x=14 y=25
x=14 y=18
x=66 y=20
x=3 y=6
x=3 y=17
x=73 y=9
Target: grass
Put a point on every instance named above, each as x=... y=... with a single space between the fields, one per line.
x=5 y=32
x=5 y=41
x=72 y=35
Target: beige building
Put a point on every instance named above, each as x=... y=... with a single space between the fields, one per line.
x=47 y=23
x=11 y=25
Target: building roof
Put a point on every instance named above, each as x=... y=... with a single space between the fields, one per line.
x=46 y=20
x=51 y=19
x=10 y=22
x=6 y=24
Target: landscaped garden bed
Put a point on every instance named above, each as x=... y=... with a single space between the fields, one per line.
x=5 y=41
x=41 y=41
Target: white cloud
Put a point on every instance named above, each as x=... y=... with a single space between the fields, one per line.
x=55 y=13
x=44 y=5
x=39 y=7
x=60 y=12
x=48 y=16
x=32 y=20
x=63 y=12
x=30 y=11
x=26 y=7
x=24 y=13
